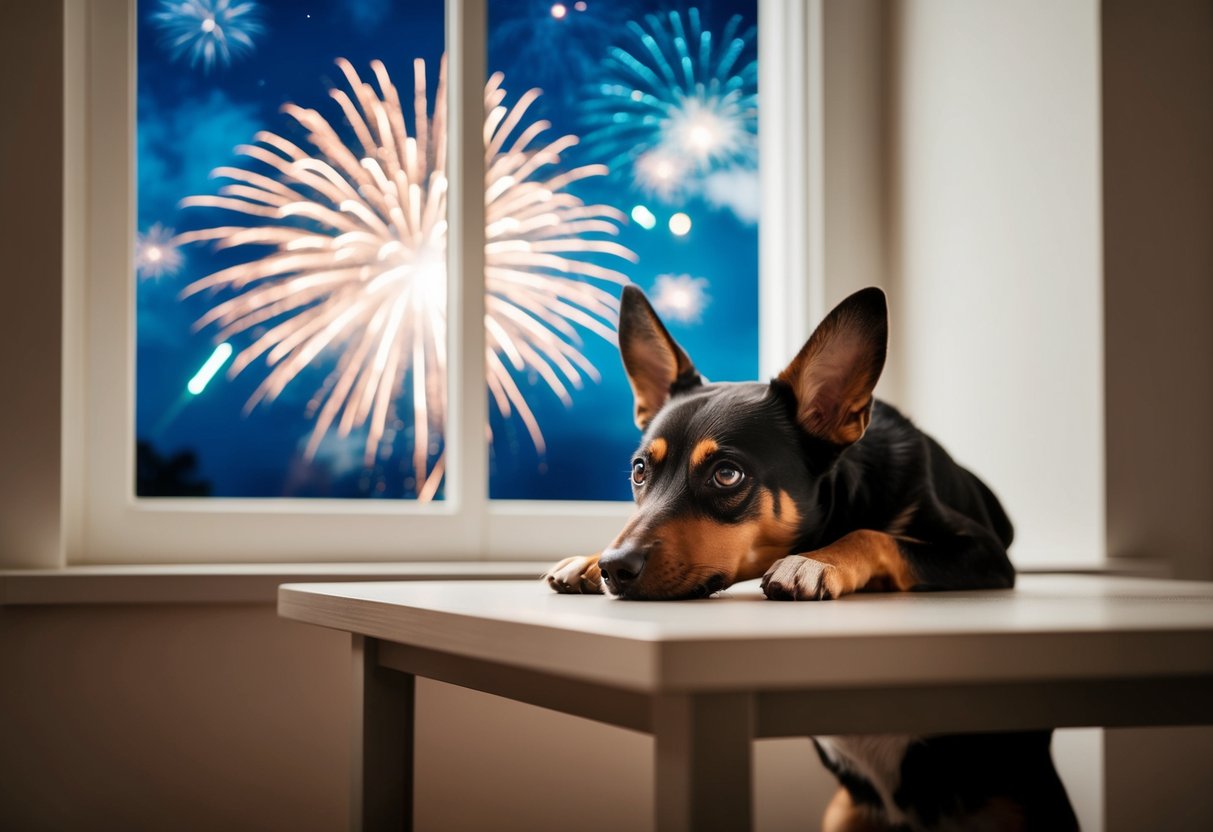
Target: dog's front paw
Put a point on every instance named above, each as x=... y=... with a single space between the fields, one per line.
x=576 y=575
x=800 y=578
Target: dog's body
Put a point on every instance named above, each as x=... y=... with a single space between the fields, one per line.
x=745 y=480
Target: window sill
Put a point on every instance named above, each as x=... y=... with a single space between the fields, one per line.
x=227 y=583
x=257 y=583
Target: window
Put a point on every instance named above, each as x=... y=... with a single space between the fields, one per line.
x=290 y=327
x=872 y=178
x=662 y=101
x=221 y=289
x=291 y=288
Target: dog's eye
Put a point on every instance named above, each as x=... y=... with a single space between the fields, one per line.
x=638 y=472
x=727 y=476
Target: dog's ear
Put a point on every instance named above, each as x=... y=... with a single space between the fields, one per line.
x=656 y=366
x=835 y=372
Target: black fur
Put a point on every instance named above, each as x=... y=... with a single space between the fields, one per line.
x=863 y=793
x=956 y=533
x=953 y=780
x=847 y=463
x=958 y=775
x=961 y=530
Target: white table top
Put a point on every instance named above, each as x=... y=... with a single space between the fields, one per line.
x=1051 y=627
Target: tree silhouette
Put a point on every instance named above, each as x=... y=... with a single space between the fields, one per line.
x=157 y=475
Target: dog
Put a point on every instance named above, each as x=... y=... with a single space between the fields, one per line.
x=813 y=485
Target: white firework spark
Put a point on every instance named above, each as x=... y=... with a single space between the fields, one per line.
x=157 y=253
x=680 y=297
x=357 y=269
x=661 y=172
x=208 y=31
x=681 y=93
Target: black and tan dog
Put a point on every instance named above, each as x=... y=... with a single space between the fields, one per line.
x=813 y=485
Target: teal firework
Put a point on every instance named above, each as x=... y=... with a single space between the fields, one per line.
x=676 y=103
x=208 y=32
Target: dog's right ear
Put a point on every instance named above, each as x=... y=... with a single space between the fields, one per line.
x=836 y=371
x=656 y=366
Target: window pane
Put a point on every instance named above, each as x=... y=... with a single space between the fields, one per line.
x=643 y=120
x=291 y=296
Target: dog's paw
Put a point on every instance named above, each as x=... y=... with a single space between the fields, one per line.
x=576 y=575
x=800 y=578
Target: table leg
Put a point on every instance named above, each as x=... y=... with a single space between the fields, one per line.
x=704 y=747
x=381 y=794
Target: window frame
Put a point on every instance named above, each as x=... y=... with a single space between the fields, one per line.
x=105 y=523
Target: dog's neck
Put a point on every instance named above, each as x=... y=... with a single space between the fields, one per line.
x=842 y=504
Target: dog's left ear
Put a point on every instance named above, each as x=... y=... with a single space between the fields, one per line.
x=656 y=366
x=835 y=372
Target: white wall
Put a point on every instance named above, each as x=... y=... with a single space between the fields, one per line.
x=855 y=133
x=996 y=255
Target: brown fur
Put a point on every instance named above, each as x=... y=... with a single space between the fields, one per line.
x=834 y=374
x=861 y=560
x=654 y=362
x=842 y=815
x=657 y=449
x=704 y=448
x=740 y=551
x=863 y=557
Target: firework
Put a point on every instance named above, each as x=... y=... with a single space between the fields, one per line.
x=680 y=297
x=356 y=269
x=207 y=31
x=531 y=32
x=661 y=172
x=157 y=253
x=677 y=104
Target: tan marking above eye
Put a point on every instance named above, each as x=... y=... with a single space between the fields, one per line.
x=703 y=449
x=657 y=449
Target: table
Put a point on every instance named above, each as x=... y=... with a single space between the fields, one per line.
x=708 y=677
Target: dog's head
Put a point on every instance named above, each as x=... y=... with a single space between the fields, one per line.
x=726 y=477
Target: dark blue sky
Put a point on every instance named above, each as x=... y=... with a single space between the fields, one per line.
x=190 y=121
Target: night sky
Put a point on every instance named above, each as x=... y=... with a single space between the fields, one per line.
x=190 y=119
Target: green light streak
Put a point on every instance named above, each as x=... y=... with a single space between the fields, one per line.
x=643 y=217
x=213 y=364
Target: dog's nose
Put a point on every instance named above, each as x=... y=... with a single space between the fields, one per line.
x=621 y=567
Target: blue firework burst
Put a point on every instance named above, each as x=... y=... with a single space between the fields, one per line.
x=208 y=31
x=676 y=103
